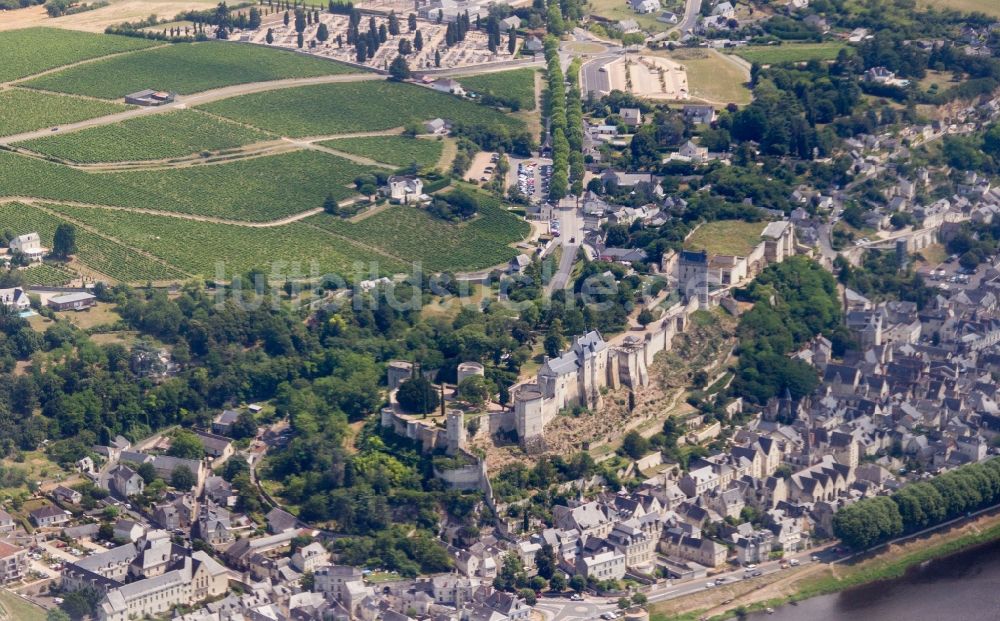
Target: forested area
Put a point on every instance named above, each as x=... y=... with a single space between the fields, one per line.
x=322 y=374
x=793 y=302
x=917 y=506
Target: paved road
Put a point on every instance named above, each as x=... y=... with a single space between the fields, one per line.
x=563 y=609
x=571 y=235
x=669 y=591
x=592 y=79
x=691 y=10
x=537 y=61
x=197 y=99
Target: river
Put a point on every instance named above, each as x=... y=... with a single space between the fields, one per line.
x=962 y=587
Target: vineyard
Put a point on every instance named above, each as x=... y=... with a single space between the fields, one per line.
x=25 y=110
x=99 y=253
x=185 y=68
x=160 y=136
x=33 y=50
x=219 y=250
x=518 y=85
x=396 y=150
x=328 y=109
x=409 y=232
x=46 y=274
x=257 y=189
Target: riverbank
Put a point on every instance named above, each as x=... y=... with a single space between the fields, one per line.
x=817 y=579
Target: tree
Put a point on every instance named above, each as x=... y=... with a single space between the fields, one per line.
x=270 y=36
x=64 y=241
x=147 y=472
x=418 y=395
x=511 y=41
x=362 y=53
x=399 y=69
x=554 y=340
x=557 y=582
x=182 y=478
x=186 y=445
x=646 y=317
x=322 y=33
x=578 y=583
x=299 y=40
x=393 y=23
x=437 y=58
x=411 y=21
x=634 y=445
x=285 y=19
x=254 y=20
x=545 y=562
x=474 y=390
x=639 y=599
x=624 y=603
x=56 y=614
x=330 y=205
x=300 y=21
x=245 y=426
x=418 y=41
x=106 y=531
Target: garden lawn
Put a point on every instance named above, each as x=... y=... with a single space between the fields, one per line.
x=255 y=189
x=185 y=68
x=328 y=109
x=222 y=251
x=158 y=136
x=96 y=252
x=33 y=50
x=395 y=150
x=518 y=84
x=790 y=52
x=409 y=232
x=25 y=111
x=726 y=237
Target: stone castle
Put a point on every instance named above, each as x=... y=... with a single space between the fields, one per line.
x=577 y=377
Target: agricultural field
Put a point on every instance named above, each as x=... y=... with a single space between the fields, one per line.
x=159 y=136
x=185 y=68
x=255 y=189
x=396 y=150
x=25 y=110
x=137 y=247
x=410 y=233
x=726 y=237
x=518 y=84
x=221 y=250
x=33 y=50
x=990 y=7
x=789 y=52
x=329 y=109
x=45 y=274
x=96 y=252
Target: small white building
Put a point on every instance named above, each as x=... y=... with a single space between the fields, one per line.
x=643 y=7
x=447 y=85
x=30 y=244
x=725 y=9
x=15 y=298
x=405 y=188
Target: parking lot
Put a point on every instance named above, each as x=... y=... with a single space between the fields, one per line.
x=532 y=177
x=951 y=276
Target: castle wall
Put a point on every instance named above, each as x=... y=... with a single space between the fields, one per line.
x=613 y=367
